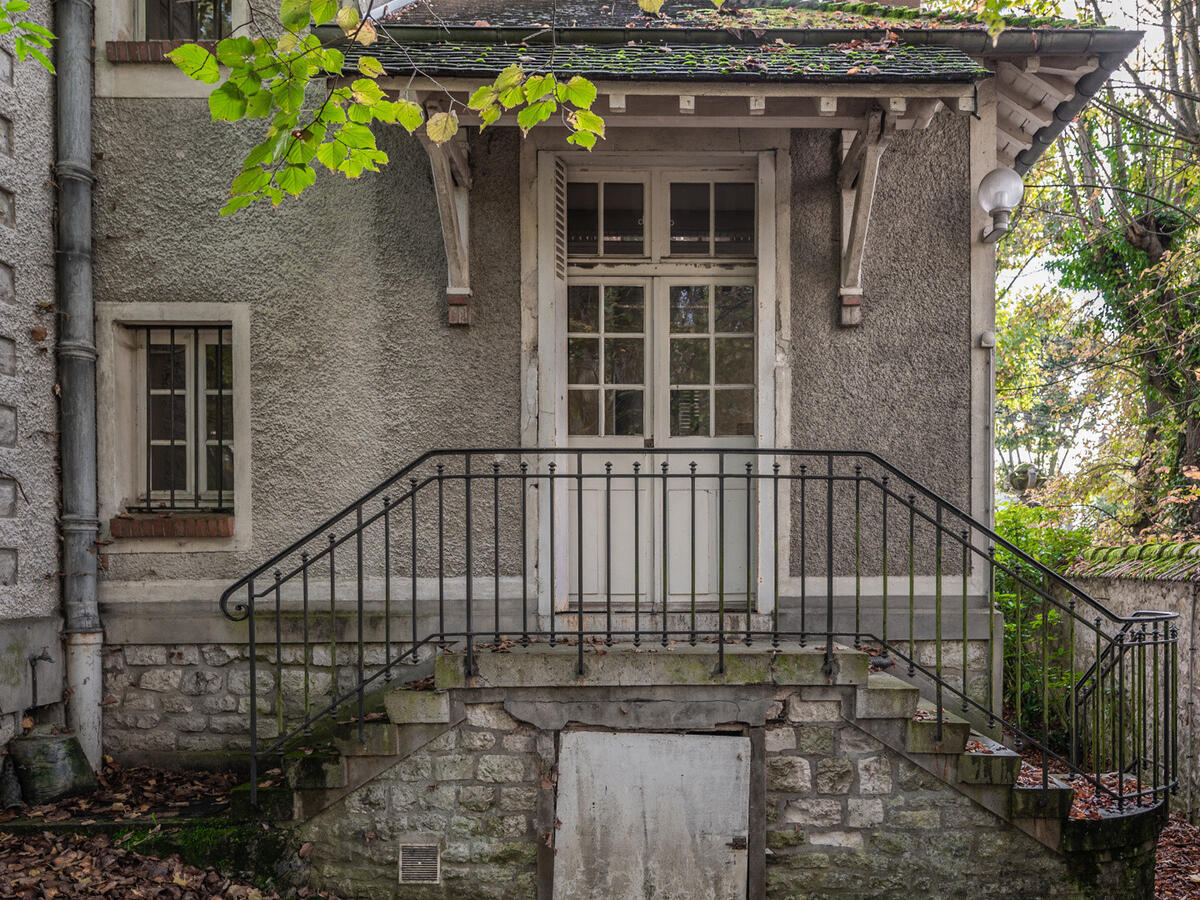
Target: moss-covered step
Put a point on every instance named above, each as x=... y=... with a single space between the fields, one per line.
x=992 y=764
x=885 y=697
x=924 y=735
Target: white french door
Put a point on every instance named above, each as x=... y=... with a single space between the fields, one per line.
x=657 y=364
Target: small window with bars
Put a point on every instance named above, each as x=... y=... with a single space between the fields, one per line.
x=193 y=20
x=186 y=427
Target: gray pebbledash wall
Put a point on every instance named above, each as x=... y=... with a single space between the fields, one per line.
x=29 y=620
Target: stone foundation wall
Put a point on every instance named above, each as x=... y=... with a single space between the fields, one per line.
x=844 y=815
x=185 y=703
x=475 y=789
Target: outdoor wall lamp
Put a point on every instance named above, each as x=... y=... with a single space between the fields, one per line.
x=999 y=194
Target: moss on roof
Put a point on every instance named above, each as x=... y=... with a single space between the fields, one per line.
x=1160 y=561
x=849 y=15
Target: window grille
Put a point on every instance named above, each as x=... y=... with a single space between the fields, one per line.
x=195 y=20
x=186 y=427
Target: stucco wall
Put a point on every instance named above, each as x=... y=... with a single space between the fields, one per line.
x=28 y=427
x=354 y=370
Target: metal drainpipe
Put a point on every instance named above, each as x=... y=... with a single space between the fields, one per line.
x=77 y=373
x=1190 y=773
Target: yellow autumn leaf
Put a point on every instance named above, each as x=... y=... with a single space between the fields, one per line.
x=442 y=126
x=651 y=6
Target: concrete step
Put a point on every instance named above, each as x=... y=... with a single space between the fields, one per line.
x=987 y=762
x=885 y=697
x=406 y=706
x=924 y=736
x=1031 y=802
x=320 y=769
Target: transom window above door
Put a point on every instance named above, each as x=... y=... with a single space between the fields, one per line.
x=624 y=216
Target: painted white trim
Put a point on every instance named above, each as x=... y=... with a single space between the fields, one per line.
x=117 y=399
x=765 y=427
x=983 y=314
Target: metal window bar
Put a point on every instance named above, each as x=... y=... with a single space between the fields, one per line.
x=172 y=484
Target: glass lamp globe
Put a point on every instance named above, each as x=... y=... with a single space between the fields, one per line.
x=1000 y=191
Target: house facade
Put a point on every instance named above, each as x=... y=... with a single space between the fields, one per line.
x=683 y=430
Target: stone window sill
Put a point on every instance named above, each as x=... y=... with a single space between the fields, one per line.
x=147 y=51
x=172 y=525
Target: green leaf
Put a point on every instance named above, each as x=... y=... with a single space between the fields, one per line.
x=259 y=104
x=366 y=90
x=324 y=10
x=333 y=60
x=227 y=103
x=16 y=6
x=538 y=87
x=295 y=13
x=511 y=77
x=196 y=63
x=513 y=96
x=581 y=92
x=535 y=113
x=409 y=115
x=586 y=120
x=235 y=203
x=347 y=19
x=35 y=28
x=483 y=97
x=370 y=66
x=332 y=154
x=295 y=179
x=442 y=126
x=251 y=181
x=233 y=52
x=489 y=116
x=584 y=139
x=356 y=136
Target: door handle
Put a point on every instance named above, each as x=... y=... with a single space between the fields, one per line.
x=738 y=843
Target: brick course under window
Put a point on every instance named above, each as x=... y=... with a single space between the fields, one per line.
x=173 y=525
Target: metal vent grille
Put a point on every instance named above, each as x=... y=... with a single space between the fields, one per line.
x=420 y=864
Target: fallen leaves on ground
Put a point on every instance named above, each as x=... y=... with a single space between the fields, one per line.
x=132 y=793
x=1177 y=869
x=75 y=866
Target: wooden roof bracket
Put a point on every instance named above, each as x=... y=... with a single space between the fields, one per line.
x=856 y=179
x=452 y=186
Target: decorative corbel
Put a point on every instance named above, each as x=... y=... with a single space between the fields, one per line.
x=856 y=178
x=452 y=185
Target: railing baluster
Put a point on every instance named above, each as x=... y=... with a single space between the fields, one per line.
x=829 y=565
x=608 y=638
x=1120 y=729
x=1098 y=690
x=692 y=525
x=721 y=562
x=778 y=563
x=333 y=666
x=524 y=552
x=278 y=655
x=441 y=526
x=387 y=589
x=470 y=564
x=1045 y=633
x=912 y=584
x=553 y=592
x=803 y=554
x=1156 y=650
x=253 y=689
x=966 y=568
x=991 y=649
x=857 y=553
x=937 y=613
x=1072 y=687
x=1020 y=635
x=496 y=543
x=666 y=543
x=412 y=573
x=637 y=555
x=307 y=656
x=579 y=559
x=1142 y=709
x=884 y=564
x=749 y=555
x=358 y=549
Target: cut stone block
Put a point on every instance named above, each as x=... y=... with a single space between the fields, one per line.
x=406 y=707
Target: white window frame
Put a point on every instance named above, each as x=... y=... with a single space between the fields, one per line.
x=544 y=421
x=121 y=399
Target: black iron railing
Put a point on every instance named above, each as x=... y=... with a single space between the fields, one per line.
x=475 y=547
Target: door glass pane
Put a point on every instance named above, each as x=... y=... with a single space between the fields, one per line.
x=735 y=360
x=219 y=417
x=735 y=411
x=583 y=218
x=623 y=412
x=689 y=308
x=583 y=360
x=734 y=305
x=624 y=361
x=168 y=417
x=689 y=361
x=623 y=205
x=689 y=413
x=689 y=218
x=583 y=412
x=624 y=308
x=223 y=353
x=733 y=219
x=583 y=307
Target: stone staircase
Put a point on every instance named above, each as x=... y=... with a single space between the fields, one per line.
x=334 y=762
